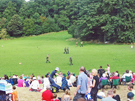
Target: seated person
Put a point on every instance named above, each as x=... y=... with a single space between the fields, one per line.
x=109 y=96
x=72 y=78
x=118 y=73
x=66 y=96
x=34 y=85
x=114 y=77
x=127 y=74
x=20 y=82
x=115 y=96
x=47 y=95
x=101 y=94
x=103 y=78
x=69 y=82
x=130 y=96
x=130 y=88
x=46 y=81
x=26 y=83
x=42 y=79
x=55 y=97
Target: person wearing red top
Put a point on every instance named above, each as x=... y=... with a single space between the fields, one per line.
x=114 y=77
x=47 y=95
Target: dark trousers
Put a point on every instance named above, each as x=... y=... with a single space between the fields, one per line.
x=81 y=45
x=71 y=63
x=53 y=83
x=47 y=61
x=94 y=96
x=112 y=85
x=78 y=95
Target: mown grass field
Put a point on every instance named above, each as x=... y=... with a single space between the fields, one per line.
x=32 y=51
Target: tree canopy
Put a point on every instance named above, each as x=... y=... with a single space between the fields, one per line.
x=102 y=20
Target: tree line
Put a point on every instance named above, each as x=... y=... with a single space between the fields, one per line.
x=102 y=20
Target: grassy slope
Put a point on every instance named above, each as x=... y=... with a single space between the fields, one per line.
x=32 y=52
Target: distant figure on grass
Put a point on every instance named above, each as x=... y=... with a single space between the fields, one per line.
x=76 y=44
x=65 y=50
x=70 y=59
x=14 y=95
x=81 y=44
x=47 y=59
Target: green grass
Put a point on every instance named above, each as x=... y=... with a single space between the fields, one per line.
x=32 y=52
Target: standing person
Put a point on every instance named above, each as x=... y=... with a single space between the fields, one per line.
x=94 y=86
x=54 y=73
x=82 y=85
x=81 y=44
x=14 y=95
x=47 y=59
x=100 y=71
x=65 y=50
x=70 y=59
x=76 y=44
x=109 y=96
x=108 y=69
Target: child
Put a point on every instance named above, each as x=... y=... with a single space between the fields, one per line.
x=66 y=96
x=101 y=94
x=14 y=96
x=54 y=97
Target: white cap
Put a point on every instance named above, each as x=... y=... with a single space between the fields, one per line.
x=48 y=87
x=104 y=75
x=57 y=68
x=116 y=74
x=34 y=78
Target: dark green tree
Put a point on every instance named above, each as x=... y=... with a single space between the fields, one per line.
x=14 y=27
x=9 y=11
x=2 y=23
x=28 y=27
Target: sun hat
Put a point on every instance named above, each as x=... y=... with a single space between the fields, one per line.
x=34 y=78
x=130 y=95
x=57 y=68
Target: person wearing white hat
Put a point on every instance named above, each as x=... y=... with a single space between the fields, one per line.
x=54 y=73
x=34 y=85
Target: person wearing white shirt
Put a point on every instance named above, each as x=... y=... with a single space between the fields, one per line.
x=34 y=85
x=69 y=82
x=72 y=78
x=101 y=94
x=46 y=82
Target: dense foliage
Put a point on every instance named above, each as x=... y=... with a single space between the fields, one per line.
x=102 y=20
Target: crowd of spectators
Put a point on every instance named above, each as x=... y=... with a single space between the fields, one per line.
x=87 y=82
